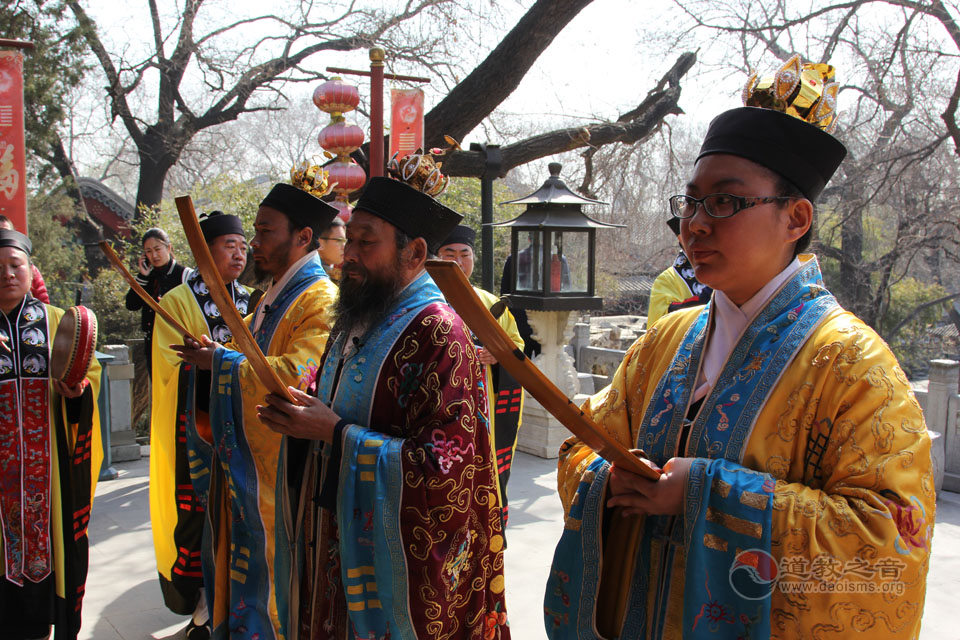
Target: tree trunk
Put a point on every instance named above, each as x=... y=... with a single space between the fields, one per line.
x=158 y=153
x=852 y=290
x=500 y=73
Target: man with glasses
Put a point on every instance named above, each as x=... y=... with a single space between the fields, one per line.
x=331 y=242
x=796 y=498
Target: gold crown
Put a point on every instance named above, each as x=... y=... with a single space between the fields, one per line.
x=311 y=177
x=803 y=90
x=420 y=170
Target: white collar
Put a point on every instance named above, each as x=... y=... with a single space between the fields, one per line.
x=273 y=291
x=729 y=323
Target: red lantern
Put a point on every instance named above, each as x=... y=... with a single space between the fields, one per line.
x=341 y=205
x=336 y=96
x=341 y=138
x=348 y=176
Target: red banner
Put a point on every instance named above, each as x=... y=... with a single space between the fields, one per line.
x=406 y=121
x=13 y=188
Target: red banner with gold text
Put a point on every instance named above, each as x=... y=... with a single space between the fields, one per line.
x=13 y=188
x=406 y=121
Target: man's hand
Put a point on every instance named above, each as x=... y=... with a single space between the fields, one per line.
x=485 y=356
x=638 y=495
x=197 y=353
x=311 y=420
x=69 y=392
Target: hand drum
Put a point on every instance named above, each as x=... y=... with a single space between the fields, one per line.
x=73 y=346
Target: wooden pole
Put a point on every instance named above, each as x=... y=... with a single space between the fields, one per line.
x=16 y=44
x=367 y=74
x=376 y=111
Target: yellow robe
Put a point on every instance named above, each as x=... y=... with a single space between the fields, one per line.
x=667 y=287
x=245 y=591
x=844 y=439
x=181 y=303
x=503 y=461
x=96 y=449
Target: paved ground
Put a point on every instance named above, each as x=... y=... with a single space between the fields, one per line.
x=123 y=597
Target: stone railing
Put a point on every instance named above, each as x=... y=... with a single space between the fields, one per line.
x=941 y=404
x=599 y=363
x=115 y=419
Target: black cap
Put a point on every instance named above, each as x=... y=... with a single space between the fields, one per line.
x=412 y=211
x=217 y=223
x=461 y=234
x=674 y=223
x=302 y=208
x=800 y=152
x=15 y=239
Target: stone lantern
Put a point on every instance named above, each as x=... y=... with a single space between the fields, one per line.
x=552 y=272
x=553 y=244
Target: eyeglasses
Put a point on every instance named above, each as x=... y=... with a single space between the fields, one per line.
x=717 y=205
x=340 y=240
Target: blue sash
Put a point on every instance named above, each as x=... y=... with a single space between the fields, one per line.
x=200 y=452
x=373 y=563
x=728 y=507
x=249 y=574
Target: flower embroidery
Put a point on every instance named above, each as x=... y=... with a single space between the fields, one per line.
x=446 y=452
x=909 y=521
x=494 y=620
x=307 y=375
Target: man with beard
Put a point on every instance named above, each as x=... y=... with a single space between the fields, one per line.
x=290 y=324
x=389 y=472
x=180 y=438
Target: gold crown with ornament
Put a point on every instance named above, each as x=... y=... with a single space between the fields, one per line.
x=806 y=91
x=422 y=170
x=309 y=176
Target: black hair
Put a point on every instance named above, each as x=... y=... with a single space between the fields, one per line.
x=156 y=233
x=403 y=240
x=314 y=239
x=336 y=222
x=786 y=189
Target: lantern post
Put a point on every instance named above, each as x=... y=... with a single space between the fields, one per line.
x=552 y=272
x=377 y=76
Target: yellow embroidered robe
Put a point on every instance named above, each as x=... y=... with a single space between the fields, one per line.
x=505 y=402
x=667 y=287
x=844 y=439
x=176 y=513
x=244 y=513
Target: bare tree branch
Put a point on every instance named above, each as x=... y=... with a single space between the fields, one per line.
x=631 y=128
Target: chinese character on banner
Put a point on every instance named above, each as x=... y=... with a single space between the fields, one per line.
x=406 y=121
x=13 y=192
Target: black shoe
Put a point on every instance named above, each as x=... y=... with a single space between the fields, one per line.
x=195 y=632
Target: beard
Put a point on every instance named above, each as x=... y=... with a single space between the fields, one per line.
x=366 y=298
x=260 y=273
x=266 y=270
